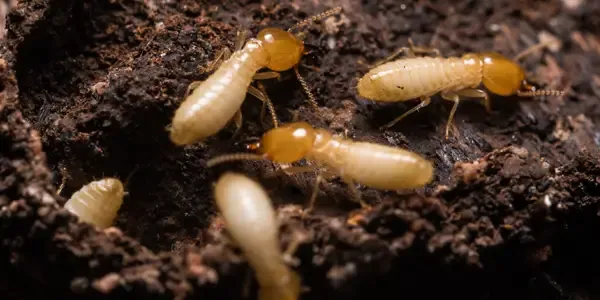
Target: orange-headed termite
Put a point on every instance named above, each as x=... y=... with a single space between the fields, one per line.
x=98 y=202
x=250 y=220
x=374 y=165
x=216 y=101
x=453 y=77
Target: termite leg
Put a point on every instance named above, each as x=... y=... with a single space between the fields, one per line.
x=477 y=93
x=224 y=54
x=191 y=87
x=425 y=100
x=355 y=192
x=315 y=193
x=305 y=169
x=451 y=96
x=292 y=247
x=406 y=50
x=297 y=169
x=261 y=87
x=265 y=99
x=326 y=175
x=266 y=75
x=237 y=119
x=240 y=39
x=422 y=50
x=532 y=49
x=410 y=51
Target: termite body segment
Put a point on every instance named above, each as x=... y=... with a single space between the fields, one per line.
x=251 y=221
x=215 y=102
x=98 y=202
x=423 y=77
x=373 y=165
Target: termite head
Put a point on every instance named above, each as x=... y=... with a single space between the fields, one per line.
x=284 y=49
x=288 y=143
x=112 y=186
x=501 y=75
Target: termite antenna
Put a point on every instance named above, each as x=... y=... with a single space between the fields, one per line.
x=533 y=49
x=232 y=157
x=309 y=94
x=314 y=18
x=269 y=105
x=540 y=93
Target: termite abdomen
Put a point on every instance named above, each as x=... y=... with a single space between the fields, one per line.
x=98 y=202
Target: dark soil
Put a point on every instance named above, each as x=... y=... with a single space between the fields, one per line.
x=89 y=86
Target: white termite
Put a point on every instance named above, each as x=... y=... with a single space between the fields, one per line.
x=454 y=77
x=251 y=221
x=374 y=165
x=213 y=103
x=98 y=202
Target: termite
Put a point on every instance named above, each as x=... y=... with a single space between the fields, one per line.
x=213 y=103
x=453 y=77
x=373 y=165
x=98 y=202
x=251 y=221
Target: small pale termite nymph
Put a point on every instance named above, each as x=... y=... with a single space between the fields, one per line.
x=373 y=165
x=213 y=103
x=453 y=77
x=251 y=221
x=98 y=202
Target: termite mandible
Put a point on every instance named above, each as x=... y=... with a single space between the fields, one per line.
x=373 y=165
x=213 y=103
x=422 y=77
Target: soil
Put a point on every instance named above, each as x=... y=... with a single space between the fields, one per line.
x=90 y=86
